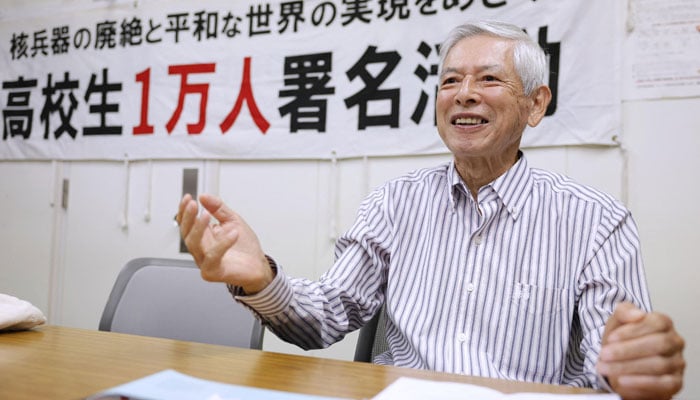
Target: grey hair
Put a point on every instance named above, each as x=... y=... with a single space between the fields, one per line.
x=529 y=58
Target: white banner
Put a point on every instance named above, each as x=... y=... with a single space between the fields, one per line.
x=277 y=79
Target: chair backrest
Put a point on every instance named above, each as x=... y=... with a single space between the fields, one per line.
x=168 y=298
x=372 y=339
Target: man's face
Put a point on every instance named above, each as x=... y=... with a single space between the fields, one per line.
x=481 y=108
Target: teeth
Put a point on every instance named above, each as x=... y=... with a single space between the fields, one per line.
x=469 y=121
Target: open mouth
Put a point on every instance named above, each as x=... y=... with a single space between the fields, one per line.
x=468 y=121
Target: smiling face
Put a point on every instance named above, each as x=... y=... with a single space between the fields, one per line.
x=481 y=108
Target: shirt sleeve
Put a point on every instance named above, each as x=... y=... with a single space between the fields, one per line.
x=615 y=273
x=316 y=314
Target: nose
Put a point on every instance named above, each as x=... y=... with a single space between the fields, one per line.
x=467 y=92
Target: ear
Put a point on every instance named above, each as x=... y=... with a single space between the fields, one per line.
x=540 y=100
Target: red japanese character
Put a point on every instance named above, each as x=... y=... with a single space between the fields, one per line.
x=188 y=88
x=245 y=94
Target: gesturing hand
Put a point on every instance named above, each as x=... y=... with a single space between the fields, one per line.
x=227 y=252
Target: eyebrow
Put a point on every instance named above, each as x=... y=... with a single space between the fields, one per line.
x=481 y=68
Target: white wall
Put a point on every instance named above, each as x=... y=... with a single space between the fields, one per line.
x=65 y=261
x=663 y=143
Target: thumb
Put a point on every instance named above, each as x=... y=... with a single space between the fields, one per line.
x=217 y=207
x=624 y=313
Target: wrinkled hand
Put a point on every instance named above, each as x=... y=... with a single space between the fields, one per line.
x=227 y=252
x=641 y=354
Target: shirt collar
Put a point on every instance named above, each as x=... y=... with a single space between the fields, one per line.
x=513 y=187
x=455 y=185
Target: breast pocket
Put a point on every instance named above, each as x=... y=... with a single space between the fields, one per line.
x=538 y=300
x=535 y=333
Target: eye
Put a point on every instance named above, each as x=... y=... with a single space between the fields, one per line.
x=449 y=80
x=490 y=78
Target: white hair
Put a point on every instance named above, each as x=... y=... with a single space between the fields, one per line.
x=528 y=57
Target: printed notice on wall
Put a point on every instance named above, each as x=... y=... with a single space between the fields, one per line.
x=663 y=49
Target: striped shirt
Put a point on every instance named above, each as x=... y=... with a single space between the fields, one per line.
x=517 y=286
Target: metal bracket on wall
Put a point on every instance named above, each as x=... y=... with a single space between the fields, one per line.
x=189 y=186
x=64 y=194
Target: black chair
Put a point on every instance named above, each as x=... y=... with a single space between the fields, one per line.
x=372 y=339
x=168 y=298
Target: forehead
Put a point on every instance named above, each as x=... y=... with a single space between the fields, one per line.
x=480 y=51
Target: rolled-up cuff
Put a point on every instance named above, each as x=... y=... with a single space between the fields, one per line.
x=270 y=301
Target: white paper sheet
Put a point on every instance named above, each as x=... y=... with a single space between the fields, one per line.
x=663 y=49
x=172 y=385
x=419 y=389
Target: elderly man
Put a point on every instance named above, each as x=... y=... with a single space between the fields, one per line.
x=484 y=265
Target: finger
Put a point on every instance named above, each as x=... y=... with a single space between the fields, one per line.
x=660 y=344
x=216 y=207
x=187 y=218
x=624 y=313
x=627 y=312
x=651 y=365
x=181 y=207
x=195 y=238
x=650 y=323
x=649 y=386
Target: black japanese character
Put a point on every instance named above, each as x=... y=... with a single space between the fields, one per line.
x=232 y=30
x=371 y=91
x=83 y=34
x=318 y=15
x=552 y=49
x=131 y=32
x=105 y=35
x=17 y=116
x=291 y=10
x=40 y=45
x=422 y=73
x=425 y=7
x=207 y=24
x=259 y=20
x=152 y=28
x=60 y=40
x=356 y=10
x=102 y=108
x=178 y=23
x=307 y=75
x=18 y=46
x=400 y=6
x=51 y=106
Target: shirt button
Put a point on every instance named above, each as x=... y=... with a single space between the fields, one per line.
x=462 y=337
x=478 y=239
x=470 y=287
